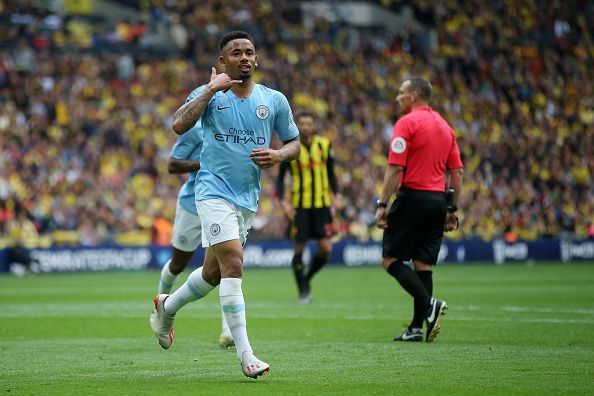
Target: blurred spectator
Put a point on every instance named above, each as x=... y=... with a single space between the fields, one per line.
x=21 y=261
x=162 y=232
x=85 y=117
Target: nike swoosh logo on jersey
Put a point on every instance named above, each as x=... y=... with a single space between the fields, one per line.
x=222 y=108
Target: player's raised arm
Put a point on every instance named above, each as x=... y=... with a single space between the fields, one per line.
x=186 y=116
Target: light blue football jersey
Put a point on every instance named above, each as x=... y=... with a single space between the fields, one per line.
x=188 y=147
x=232 y=127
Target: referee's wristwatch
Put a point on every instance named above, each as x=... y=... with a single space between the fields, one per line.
x=380 y=204
x=452 y=208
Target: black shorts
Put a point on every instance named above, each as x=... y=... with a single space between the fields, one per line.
x=415 y=226
x=314 y=223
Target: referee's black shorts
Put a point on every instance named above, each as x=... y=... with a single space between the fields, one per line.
x=415 y=226
x=314 y=223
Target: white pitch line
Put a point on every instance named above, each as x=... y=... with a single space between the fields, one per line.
x=516 y=320
x=287 y=310
x=512 y=308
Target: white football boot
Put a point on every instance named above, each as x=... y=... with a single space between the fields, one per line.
x=251 y=366
x=164 y=321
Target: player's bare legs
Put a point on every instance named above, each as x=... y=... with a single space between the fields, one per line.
x=230 y=257
x=172 y=268
x=179 y=261
x=212 y=274
x=194 y=288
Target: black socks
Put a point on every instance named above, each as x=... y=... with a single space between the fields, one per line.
x=426 y=278
x=412 y=283
x=297 y=265
x=317 y=263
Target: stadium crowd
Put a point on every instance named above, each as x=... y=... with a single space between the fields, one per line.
x=86 y=106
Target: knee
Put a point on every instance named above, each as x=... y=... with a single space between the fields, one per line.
x=211 y=275
x=324 y=248
x=232 y=267
x=298 y=248
x=421 y=266
x=324 y=252
x=388 y=261
x=176 y=268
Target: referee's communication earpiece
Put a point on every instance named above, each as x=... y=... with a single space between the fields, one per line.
x=256 y=65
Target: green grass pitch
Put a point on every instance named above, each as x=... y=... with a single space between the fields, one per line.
x=511 y=329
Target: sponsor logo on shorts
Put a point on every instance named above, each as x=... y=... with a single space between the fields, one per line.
x=215 y=229
x=262 y=112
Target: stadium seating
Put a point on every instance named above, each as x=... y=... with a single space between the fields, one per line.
x=86 y=105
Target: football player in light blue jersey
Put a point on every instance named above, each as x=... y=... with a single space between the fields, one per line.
x=238 y=118
x=187 y=228
x=235 y=126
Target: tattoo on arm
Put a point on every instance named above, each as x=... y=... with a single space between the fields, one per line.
x=290 y=151
x=186 y=116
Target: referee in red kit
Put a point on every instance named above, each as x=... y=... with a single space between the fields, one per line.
x=423 y=149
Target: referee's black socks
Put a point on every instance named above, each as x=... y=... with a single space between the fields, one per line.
x=411 y=282
x=426 y=278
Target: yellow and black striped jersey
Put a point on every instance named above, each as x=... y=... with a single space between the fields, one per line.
x=312 y=175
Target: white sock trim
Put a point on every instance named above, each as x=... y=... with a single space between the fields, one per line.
x=233 y=306
x=167 y=279
x=193 y=289
x=197 y=285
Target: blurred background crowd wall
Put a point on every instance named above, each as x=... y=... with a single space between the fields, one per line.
x=88 y=89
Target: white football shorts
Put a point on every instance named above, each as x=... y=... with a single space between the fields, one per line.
x=187 y=230
x=222 y=221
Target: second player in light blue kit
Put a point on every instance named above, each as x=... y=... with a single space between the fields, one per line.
x=238 y=118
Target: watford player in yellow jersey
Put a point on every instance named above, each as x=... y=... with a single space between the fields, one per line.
x=310 y=206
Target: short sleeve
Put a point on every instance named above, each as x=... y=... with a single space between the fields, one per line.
x=186 y=144
x=454 y=160
x=195 y=93
x=284 y=124
x=399 y=143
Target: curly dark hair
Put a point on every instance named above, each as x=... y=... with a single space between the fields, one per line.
x=237 y=34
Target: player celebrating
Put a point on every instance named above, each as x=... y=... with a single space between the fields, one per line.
x=238 y=117
x=187 y=230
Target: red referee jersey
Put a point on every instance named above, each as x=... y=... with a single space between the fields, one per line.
x=425 y=145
